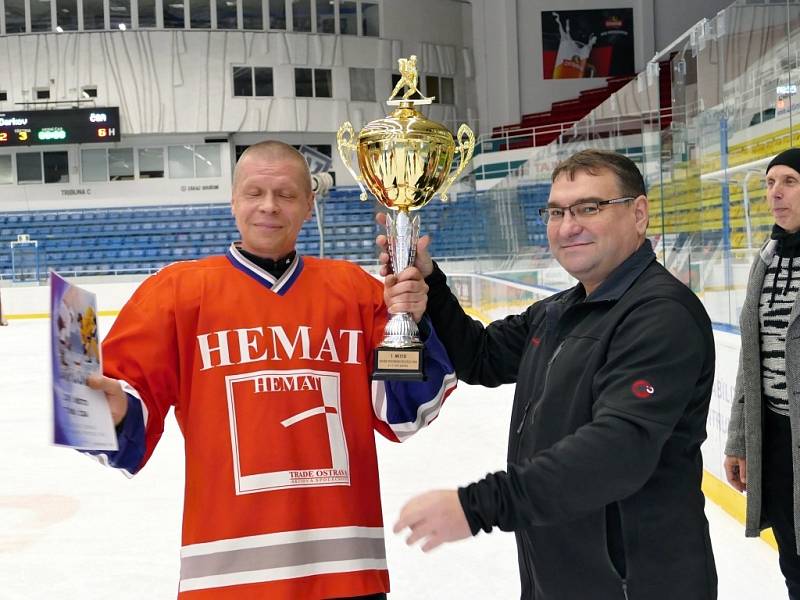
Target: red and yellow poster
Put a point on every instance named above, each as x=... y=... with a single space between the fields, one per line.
x=587 y=43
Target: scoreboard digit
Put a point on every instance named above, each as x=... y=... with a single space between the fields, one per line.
x=71 y=126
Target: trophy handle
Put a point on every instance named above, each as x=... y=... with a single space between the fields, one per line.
x=465 y=146
x=346 y=146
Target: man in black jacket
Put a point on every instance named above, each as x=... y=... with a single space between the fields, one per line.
x=614 y=378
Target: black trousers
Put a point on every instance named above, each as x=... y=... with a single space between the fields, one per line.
x=777 y=501
x=378 y=596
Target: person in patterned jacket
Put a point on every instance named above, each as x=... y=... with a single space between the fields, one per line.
x=763 y=447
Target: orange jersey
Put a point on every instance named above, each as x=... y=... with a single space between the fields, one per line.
x=270 y=383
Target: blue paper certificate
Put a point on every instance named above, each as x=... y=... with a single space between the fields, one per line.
x=81 y=416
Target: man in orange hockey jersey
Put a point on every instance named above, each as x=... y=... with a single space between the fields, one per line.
x=266 y=357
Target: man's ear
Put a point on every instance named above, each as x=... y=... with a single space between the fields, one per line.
x=641 y=213
x=310 y=212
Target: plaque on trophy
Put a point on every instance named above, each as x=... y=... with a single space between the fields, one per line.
x=404 y=159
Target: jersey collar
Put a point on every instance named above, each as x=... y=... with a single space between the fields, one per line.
x=280 y=286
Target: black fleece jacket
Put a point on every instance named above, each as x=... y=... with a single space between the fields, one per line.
x=602 y=487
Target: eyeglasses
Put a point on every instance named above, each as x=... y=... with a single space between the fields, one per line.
x=579 y=211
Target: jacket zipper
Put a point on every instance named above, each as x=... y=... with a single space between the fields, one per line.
x=546 y=377
x=625 y=588
x=524 y=414
x=547 y=373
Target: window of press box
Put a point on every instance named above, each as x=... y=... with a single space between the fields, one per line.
x=42 y=94
x=323 y=85
x=263 y=81
x=119 y=14
x=301 y=15
x=93 y=17
x=362 y=84
x=56 y=167
x=313 y=83
x=348 y=17
x=242 y=81
x=369 y=19
x=173 y=14
x=441 y=88
x=252 y=14
x=202 y=160
x=151 y=163
x=94 y=165
x=207 y=161
x=35 y=167
x=40 y=15
x=446 y=88
x=3 y=96
x=15 y=16
x=277 y=14
x=89 y=92
x=29 y=167
x=326 y=19
x=147 y=13
x=252 y=81
x=6 y=175
x=200 y=14
x=226 y=14
x=303 y=83
x=67 y=15
x=120 y=164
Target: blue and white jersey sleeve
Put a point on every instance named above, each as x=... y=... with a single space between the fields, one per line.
x=130 y=439
x=408 y=406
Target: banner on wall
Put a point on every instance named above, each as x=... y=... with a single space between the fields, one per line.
x=587 y=43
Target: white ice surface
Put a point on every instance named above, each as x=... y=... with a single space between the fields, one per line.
x=74 y=530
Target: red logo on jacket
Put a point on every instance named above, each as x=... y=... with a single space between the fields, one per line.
x=642 y=388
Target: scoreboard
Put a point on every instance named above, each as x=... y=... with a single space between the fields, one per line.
x=72 y=126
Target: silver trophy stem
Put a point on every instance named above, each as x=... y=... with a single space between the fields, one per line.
x=402 y=233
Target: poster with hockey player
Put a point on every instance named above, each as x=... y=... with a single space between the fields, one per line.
x=587 y=43
x=81 y=416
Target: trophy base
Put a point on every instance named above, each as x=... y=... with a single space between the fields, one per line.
x=399 y=364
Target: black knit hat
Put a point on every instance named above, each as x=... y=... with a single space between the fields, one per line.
x=789 y=158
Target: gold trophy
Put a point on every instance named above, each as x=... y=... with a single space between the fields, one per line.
x=404 y=160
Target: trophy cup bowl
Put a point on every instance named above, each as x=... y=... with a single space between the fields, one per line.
x=404 y=159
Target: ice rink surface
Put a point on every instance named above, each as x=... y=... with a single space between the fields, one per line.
x=74 y=530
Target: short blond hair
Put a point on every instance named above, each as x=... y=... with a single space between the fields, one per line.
x=271 y=150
